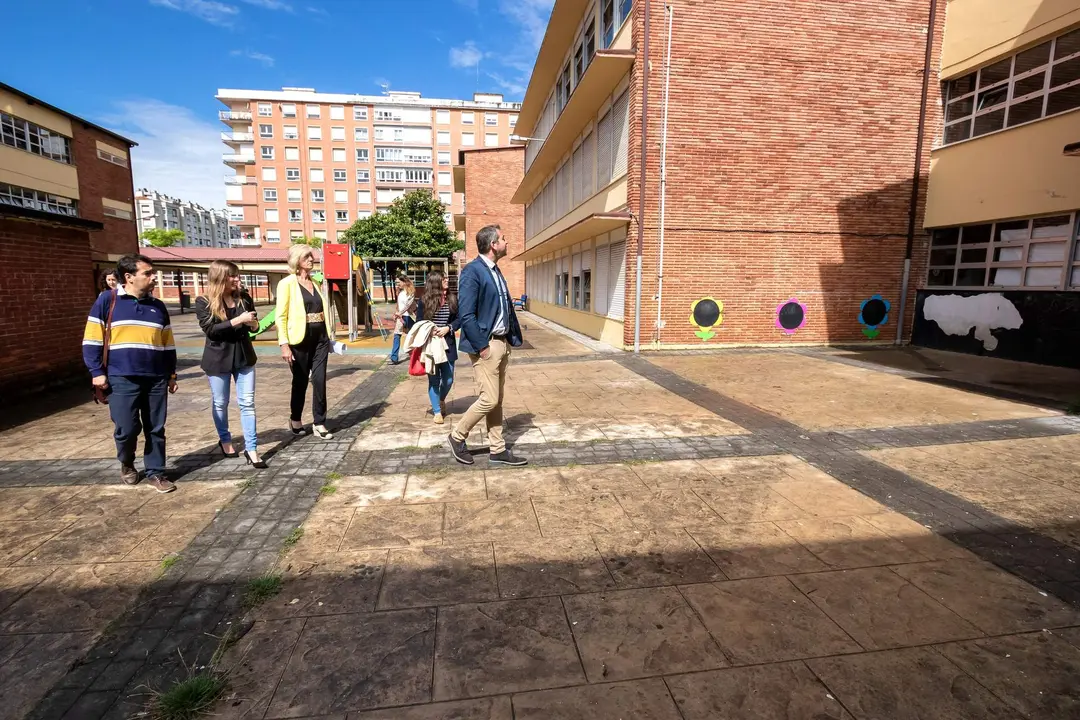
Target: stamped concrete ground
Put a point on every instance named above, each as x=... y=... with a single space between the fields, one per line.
x=752 y=534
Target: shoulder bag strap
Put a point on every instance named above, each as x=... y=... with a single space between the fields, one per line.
x=107 y=332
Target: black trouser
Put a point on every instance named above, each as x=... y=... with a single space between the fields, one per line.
x=139 y=405
x=309 y=359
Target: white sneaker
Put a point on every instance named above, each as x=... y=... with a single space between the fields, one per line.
x=438 y=419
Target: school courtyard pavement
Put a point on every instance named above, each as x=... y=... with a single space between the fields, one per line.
x=760 y=533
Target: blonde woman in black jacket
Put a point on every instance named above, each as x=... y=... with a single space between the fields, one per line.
x=225 y=316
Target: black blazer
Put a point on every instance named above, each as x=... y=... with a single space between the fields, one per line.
x=451 y=337
x=222 y=338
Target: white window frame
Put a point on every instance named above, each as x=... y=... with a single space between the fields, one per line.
x=468 y=117
x=312 y=112
x=445 y=180
x=963 y=107
x=468 y=139
x=491 y=139
x=444 y=157
x=341 y=216
x=341 y=196
x=290 y=132
x=318 y=216
x=363 y=177
x=341 y=175
x=315 y=154
x=314 y=132
x=360 y=134
x=442 y=117
x=491 y=119
x=292 y=174
x=292 y=153
x=359 y=112
x=363 y=155
x=318 y=195
x=294 y=195
x=443 y=137
x=338 y=155
x=337 y=134
x=266 y=110
x=271 y=215
x=273 y=235
x=316 y=175
x=1008 y=245
x=363 y=197
x=288 y=110
x=269 y=174
x=266 y=130
x=266 y=152
x=337 y=112
x=270 y=195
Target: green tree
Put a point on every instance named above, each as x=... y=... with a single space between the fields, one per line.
x=311 y=241
x=412 y=227
x=158 y=237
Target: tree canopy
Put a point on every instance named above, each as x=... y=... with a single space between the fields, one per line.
x=159 y=237
x=310 y=241
x=413 y=227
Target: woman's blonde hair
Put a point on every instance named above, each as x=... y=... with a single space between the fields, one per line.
x=218 y=286
x=296 y=254
x=407 y=284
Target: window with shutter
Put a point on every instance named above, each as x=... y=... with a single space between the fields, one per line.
x=621 y=134
x=578 y=185
x=562 y=190
x=549 y=204
x=588 y=163
x=604 y=151
x=617 y=280
x=600 y=292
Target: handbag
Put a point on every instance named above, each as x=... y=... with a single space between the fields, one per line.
x=416 y=362
x=101 y=394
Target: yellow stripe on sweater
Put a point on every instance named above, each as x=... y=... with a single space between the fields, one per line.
x=141 y=335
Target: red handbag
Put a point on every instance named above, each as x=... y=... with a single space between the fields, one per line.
x=416 y=362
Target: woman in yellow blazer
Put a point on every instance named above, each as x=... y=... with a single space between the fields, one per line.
x=305 y=333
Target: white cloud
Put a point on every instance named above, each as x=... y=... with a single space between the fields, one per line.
x=531 y=18
x=466 y=56
x=215 y=13
x=265 y=59
x=270 y=4
x=510 y=87
x=179 y=153
x=317 y=11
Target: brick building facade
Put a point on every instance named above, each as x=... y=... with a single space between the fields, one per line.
x=790 y=149
x=488 y=177
x=45 y=291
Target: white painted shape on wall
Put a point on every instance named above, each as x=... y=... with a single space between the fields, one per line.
x=956 y=315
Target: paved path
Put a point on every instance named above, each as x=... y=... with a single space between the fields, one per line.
x=758 y=534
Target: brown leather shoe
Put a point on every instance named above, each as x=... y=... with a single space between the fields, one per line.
x=161 y=484
x=129 y=474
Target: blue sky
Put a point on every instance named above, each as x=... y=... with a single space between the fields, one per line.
x=150 y=68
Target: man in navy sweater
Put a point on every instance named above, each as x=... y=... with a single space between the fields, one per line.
x=489 y=328
x=141 y=366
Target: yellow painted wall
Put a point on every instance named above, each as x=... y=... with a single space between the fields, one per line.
x=117 y=204
x=25 y=169
x=119 y=152
x=16 y=105
x=1013 y=173
x=601 y=328
x=979 y=31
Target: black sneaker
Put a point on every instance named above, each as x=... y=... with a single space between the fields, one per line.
x=507 y=458
x=460 y=451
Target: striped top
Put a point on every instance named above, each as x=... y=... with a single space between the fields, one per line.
x=140 y=341
x=442 y=316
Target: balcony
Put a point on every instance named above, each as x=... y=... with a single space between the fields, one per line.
x=239 y=180
x=230 y=116
x=237 y=159
x=606 y=70
x=237 y=137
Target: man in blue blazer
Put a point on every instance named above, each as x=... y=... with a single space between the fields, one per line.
x=489 y=328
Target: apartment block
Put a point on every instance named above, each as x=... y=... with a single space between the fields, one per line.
x=758 y=163
x=487 y=178
x=202 y=227
x=1003 y=273
x=66 y=215
x=310 y=164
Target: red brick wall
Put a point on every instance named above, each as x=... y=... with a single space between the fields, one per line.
x=791 y=145
x=491 y=177
x=97 y=179
x=46 y=290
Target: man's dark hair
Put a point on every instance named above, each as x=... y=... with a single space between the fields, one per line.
x=487 y=235
x=129 y=264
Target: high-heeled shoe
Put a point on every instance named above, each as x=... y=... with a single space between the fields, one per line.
x=297 y=430
x=260 y=465
x=221 y=446
x=321 y=432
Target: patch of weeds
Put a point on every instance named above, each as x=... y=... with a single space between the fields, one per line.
x=190 y=698
x=328 y=488
x=641 y=461
x=261 y=589
x=294 y=537
x=168 y=561
x=245 y=484
x=411 y=448
x=401 y=377
x=560 y=443
x=333 y=476
x=571 y=465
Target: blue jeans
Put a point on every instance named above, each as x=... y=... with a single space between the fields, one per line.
x=133 y=399
x=396 y=348
x=438 y=385
x=245 y=398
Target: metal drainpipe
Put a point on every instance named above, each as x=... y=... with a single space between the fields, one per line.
x=663 y=178
x=916 y=173
x=641 y=183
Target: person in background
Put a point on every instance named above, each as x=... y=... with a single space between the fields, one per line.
x=141 y=368
x=489 y=328
x=226 y=315
x=406 y=295
x=304 y=334
x=440 y=306
x=109 y=282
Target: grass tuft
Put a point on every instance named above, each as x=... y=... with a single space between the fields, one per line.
x=261 y=589
x=333 y=476
x=245 y=484
x=328 y=489
x=294 y=537
x=168 y=561
x=190 y=698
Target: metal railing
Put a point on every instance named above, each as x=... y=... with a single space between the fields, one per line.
x=231 y=115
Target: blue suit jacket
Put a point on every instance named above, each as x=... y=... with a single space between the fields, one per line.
x=478 y=308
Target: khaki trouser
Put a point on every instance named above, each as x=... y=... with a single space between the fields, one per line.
x=490 y=377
